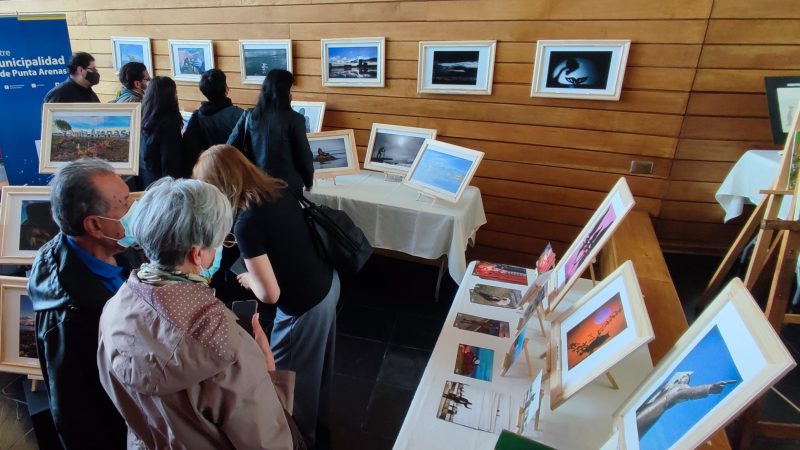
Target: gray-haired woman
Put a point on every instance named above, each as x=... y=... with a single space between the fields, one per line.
x=171 y=356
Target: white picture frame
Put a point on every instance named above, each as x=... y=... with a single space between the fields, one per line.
x=404 y=142
x=313 y=112
x=128 y=49
x=18 y=351
x=338 y=144
x=277 y=54
x=190 y=58
x=436 y=162
x=347 y=62
x=446 y=67
x=26 y=223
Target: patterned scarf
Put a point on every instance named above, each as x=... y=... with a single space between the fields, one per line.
x=152 y=274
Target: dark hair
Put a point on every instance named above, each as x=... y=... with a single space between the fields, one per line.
x=274 y=92
x=159 y=102
x=74 y=196
x=213 y=84
x=131 y=72
x=79 y=59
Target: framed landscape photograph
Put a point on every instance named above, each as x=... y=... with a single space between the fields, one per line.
x=456 y=67
x=589 y=70
x=313 y=113
x=108 y=131
x=18 y=353
x=443 y=170
x=725 y=361
x=356 y=62
x=131 y=49
x=783 y=96
x=602 y=328
x=27 y=223
x=334 y=153
x=189 y=59
x=257 y=58
x=393 y=148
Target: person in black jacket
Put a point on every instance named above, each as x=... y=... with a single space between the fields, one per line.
x=160 y=144
x=213 y=122
x=273 y=136
x=72 y=277
x=77 y=88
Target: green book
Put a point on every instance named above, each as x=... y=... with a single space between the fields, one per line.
x=513 y=441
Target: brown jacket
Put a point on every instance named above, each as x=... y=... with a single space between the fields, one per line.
x=184 y=375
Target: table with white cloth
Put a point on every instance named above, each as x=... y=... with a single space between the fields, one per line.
x=755 y=171
x=394 y=216
x=583 y=422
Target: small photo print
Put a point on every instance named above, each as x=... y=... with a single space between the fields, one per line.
x=455 y=67
x=474 y=407
x=474 y=362
x=484 y=294
x=482 y=325
x=329 y=153
x=579 y=69
x=501 y=272
x=27 y=328
x=37 y=226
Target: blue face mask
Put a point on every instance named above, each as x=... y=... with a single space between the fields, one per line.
x=208 y=273
x=127 y=240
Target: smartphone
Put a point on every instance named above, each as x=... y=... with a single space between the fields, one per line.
x=244 y=310
x=238 y=267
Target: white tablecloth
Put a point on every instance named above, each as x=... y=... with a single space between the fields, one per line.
x=583 y=422
x=755 y=171
x=393 y=217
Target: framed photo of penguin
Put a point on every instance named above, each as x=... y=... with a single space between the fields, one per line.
x=590 y=70
x=27 y=223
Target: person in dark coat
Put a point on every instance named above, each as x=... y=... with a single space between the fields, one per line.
x=77 y=88
x=273 y=136
x=213 y=122
x=72 y=277
x=134 y=78
x=160 y=143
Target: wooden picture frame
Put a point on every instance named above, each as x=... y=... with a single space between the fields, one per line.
x=26 y=223
x=190 y=58
x=726 y=360
x=443 y=170
x=130 y=49
x=341 y=146
x=580 y=69
x=401 y=154
x=254 y=68
x=601 y=329
x=590 y=241
x=313 y=112
x=783 y=97
x=347 y=62
x=109 y=131
x=17 y=328
x=446 y=67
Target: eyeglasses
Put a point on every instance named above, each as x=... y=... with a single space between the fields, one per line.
x=230 y=241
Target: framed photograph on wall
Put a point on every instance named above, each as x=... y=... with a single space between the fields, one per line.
x=443 y=170
x=108 y=131
x=456 y=67
x=313 y=113
x=393 y=148
x=131 y=49
x=334 y=153
x=27 y=223
x=189 y=59
x=783 y=96
x=607 y=324
x=726 y=360
x=589 y=70
x=257 y=58
x=353 y=62
x=18 y=352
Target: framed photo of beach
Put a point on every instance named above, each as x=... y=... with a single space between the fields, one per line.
x=456 y=67
x=108 y=131
x=602 y=328
x=313 y=112
x=189 y=59
x=18 y=352
x=131 y=49
x=443 y=170
x=334 y=153
x=393 y=148
x=257 y=58
x=353 y=62
x=26 y=223
x=726 y=360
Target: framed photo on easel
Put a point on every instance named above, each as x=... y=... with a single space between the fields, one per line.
x=392 y=149
x=443 y=170
x=27 y=223
x=18 y=351
x=333 y=153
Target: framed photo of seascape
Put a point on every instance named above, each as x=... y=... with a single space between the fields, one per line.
x=783 y=97
x=18 y=353
x=443 y=170
x=257 y=58
x=189 y=59
x=26 y=223
x=456 y=67
x=393 y=148
x=108 y=131
x=334 y=153
x=589 y=70
x=131 y=49
x=354 y=62
x=313 y=112
x=609 y=323
x=726 y=360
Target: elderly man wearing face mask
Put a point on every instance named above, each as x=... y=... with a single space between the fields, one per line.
x=77 y=88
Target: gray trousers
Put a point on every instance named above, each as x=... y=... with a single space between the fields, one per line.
x=306 y=345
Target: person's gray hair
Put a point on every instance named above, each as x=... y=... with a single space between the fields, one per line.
x=73 y=195
x=175 y=215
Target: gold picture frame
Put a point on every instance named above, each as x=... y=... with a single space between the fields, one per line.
x=334 y=153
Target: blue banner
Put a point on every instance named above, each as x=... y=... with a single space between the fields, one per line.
x=34 y=54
